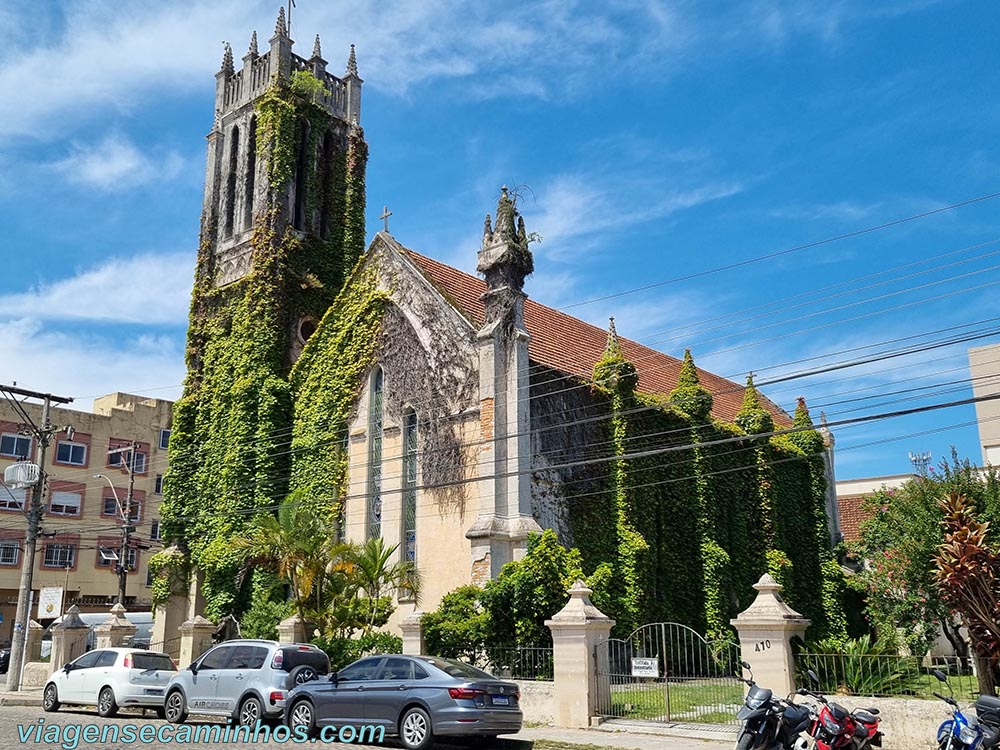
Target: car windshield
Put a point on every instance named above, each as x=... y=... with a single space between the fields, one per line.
x=458 y=668
x=145 y=660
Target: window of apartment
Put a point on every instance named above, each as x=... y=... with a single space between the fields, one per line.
x=11 y=499
x=158 y=488
x=71 y=453
x=132 y=559
x=10 y=553
x=375 y=456
x=154 y=530
x=13 y=445
x=164 y=439
x=121 y=459
x=110 y=508
x=107 y=556
x=59 y=556
x=149 y=577
x=65 y=503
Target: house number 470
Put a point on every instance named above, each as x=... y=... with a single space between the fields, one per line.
x=762 y=645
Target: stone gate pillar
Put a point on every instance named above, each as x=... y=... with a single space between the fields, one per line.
x=576 y=630
x=413 y=633
x=766 y=629
x=292 y=630
x=114 y=631
x=167 y=619
x=196 y=639
x=33 y=642
x=69 y=639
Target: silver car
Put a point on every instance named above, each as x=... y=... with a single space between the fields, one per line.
x=243 y=680
x=415 y=697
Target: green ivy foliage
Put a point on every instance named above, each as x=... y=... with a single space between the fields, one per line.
x=709 y=519
x=229 y=457
x=529 y=591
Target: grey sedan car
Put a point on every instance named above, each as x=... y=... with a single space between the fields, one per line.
x=415 y=697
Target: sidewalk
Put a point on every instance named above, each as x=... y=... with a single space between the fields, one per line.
x=25 y=697
x=635 y=738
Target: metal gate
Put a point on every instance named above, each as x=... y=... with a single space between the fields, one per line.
x=667 y=672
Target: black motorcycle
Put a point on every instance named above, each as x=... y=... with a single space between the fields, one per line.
x=769 y=723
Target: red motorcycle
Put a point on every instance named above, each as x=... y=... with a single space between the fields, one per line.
x=834 y=727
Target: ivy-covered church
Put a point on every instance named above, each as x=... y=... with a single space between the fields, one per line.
x=449 y=414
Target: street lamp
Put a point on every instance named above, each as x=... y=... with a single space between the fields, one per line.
x=125 y=514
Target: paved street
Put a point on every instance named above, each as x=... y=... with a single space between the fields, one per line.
x=14 y=719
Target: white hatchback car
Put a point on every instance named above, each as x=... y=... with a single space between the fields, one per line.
x=111 y=678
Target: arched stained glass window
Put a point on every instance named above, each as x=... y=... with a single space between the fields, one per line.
x=375 y=456
x=409 y=541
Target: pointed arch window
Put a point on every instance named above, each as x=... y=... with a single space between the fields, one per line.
x=375 y=413
x=250 y=178
x=301 y=169
x=326 y=167
x=234 y=154
x=409 y=541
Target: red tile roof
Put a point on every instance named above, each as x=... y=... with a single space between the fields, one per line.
x=570 y=345
x=851 y=516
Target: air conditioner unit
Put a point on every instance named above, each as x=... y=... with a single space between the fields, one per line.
x=21 y=475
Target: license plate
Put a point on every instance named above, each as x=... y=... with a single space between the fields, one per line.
x=501 y=700
x=154 y=691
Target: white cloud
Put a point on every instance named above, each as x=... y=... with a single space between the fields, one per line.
x=575 y=210
x=151 y=289
x=113 y=56
x=84 y=365
x=115 y=164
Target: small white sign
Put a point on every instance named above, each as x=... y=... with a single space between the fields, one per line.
x=645 y=667
x=50 y=602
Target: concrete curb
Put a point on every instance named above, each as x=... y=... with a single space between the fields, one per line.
x=25 y=698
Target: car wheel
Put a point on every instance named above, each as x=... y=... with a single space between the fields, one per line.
x=50 y=698
x=251 y=711
x=303 y=714
x=175 y=707
x=106 y=704
x=415 y=729
x=301 y=674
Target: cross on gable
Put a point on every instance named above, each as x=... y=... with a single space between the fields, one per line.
x=386 y=213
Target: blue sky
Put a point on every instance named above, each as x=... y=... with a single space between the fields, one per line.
x=656 y=139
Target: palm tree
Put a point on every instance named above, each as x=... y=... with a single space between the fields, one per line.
x=295 y=543
x=377 y=577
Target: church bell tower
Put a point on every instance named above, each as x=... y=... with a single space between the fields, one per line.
x=284 y=180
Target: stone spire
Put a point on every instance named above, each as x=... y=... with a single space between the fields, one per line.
x=252 y=51
x=612 y=372
x=352 y=64
x=752 y=417
x=614 y=346
x=227 y=60
x=317 y=54
x=505 y=259
x=487 y=231
x=690 y=395
x=280 y=28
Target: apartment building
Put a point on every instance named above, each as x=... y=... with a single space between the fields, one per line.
x=88 y=482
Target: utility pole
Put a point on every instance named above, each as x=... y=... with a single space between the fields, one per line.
x=43 y=435
x=127 y=527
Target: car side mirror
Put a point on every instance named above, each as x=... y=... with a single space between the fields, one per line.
x=334 y=678
x=193 y=668
x=68 y=667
